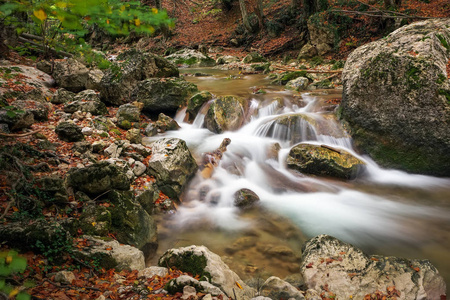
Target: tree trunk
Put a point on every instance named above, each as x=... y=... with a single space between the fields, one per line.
x=245 y=19
x=311 y=7
x=260 y=13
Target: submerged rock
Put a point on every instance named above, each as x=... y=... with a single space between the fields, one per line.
x=351 y=274
x=225 y=114
x=198 y=260
x=322 y=160
x=396 y=98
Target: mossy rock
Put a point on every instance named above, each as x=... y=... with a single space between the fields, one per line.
x=324 y=161
x=69 y=132
x=196 y=102
x=285 y=77
x=225 y=114
x=253 y=57
x=188 y=262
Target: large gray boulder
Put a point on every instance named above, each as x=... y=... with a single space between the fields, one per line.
x=351 y=274
x=172 y=165
x=324 y=161
x=98 y=178
x=191 y=58
x=71 y=75
x=225 y=114
x=132 y=67
x=86 y=101
x=198 y=260
x=396 y=98
x=163 y=95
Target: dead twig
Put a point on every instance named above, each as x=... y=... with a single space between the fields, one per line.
x=307 y=71
x=19 y=134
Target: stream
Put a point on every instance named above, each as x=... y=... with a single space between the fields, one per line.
x=387 y=212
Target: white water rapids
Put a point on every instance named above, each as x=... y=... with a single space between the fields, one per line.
x=385 y=211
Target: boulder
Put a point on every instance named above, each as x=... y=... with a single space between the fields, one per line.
x=166 y=123
x=37 y=95
x=70 y=74
x=98 y=178
x=191 y=58
x=198 y=260
x=69 y=132
x=307 y=51
x=396 y=98
x=163 y=95
x=245 y=198
x=322 y=37
x=127 y=113
x=172 y=165
x=53 y=188
x=134 y=135
x=94 y=220
x=131 y=223
x=322 y=160
x=225 y=114
x=285 y=77
x=110 y=254
x=93 y=107
x=196 y=102
x=16 y=119
x=275 y=288
x=253 y=57
x=63 y=96
x=297 y=84
x=87 y=95
x=351 y=274
x=227 y=59
x=133 y=66
x=39 y=235
x=38 y=109
x=65 y=277
x=94 y=78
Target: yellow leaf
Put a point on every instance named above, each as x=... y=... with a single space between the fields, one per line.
x=61 y=4
x=40 y=14
x=137 y=22
x=122 y=8
x=151 y=29
x=154 y=10
x=9 y=259
x=13 y=293
x=94 y=223
x=239 y=286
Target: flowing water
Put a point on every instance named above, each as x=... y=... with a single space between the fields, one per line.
x=386 y=212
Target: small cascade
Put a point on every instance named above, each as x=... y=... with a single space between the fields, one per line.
x=381 y=207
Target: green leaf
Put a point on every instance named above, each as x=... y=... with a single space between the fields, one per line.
x=4 y=271
x=23 y=296
x=18 y=264
x=2 y=284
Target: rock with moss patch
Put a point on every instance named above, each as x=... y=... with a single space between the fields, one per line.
x=134 y=135
x=16 y=118
x=321 y=36
x=98 y=178
x=253 y=57
x=191 y=58
x=227 y=59
x=172 y=165
x=127 y=112
x=70 y=74
x=132 y=67
x=163 y=95
x=38 y=109
x=52 y=187
x=166 y=123
x=198 y=260
x=225 y=114
x=324 y=161
x=285 y=77
x=350 y=273
x=93 y=107
x=63 y=96
x=196 y=102
x=109 y=254
x=396 y=98
x=69 y=132
x=133 y=225
x=297 y=84
x=307 y=51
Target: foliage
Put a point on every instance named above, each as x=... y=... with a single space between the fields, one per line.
x=11 y=263
x=63 y=23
